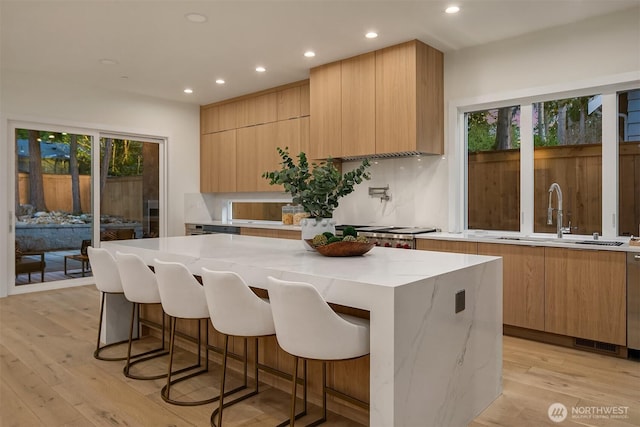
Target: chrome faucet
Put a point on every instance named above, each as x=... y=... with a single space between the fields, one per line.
x=555 y=187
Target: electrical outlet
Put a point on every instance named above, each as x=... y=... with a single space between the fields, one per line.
x=460 y=301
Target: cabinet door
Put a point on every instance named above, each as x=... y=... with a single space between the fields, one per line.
x=585 y=294
x=256 y=154
x=522 y=283
x=288 y=103
x=359 y=105
x=326 y=112
x=226 y=164
x=257 y=110
x=304 y=100
x=447 y=246
x=208 y=177
x=285 y=134
x=218 y=162
x=264 y=232
x=396 y=99
x=218 y=118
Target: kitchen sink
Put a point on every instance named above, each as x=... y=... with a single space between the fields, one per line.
x=599 y=243
x=527 y=239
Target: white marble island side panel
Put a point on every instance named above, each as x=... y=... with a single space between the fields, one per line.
x=429 y=365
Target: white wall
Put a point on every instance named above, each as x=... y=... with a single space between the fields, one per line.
x=29 y=98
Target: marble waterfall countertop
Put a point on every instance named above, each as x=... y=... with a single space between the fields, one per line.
x=428 y=365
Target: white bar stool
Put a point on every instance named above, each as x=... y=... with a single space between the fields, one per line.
x=236 y=311
x=182 y=298
x=140 y=287
x=306 y=327
x=107 y=279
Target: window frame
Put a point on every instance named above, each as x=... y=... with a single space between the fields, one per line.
x=608 y=87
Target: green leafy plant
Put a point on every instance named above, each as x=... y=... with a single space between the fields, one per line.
x=316 y=188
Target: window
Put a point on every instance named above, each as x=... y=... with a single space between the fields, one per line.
x=257 y=211
x=629 y=163
x=493 y=169
x=588 y=144
x=567 y=136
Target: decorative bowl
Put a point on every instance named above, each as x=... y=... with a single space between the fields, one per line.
x=343 y=248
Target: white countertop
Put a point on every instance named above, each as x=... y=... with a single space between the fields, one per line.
x=381 y=266
x=483 y=236
x=539 y=239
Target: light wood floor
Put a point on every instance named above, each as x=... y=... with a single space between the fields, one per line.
x=48 y=377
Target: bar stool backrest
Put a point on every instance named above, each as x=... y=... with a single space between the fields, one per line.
x=181 y=294
x=233 y=307
x=306 y=326
x=105 y=270
x=138 y=281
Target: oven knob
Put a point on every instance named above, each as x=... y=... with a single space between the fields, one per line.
x=399 y=245
x=387 y=245
x=407 y=246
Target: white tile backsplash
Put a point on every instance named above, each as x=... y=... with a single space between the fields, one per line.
x=418 y=188
x=417 y=185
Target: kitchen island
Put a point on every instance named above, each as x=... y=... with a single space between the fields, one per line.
x=429 y=366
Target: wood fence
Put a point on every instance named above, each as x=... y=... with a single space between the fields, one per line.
x=122 y=196
x=494 y=188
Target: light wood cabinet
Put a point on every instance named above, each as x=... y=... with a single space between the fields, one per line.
x=257 y=151
x=409 y=99
x=523 y=283
x=218 y=118
x=289 y=103
x=218 y=162
x=257 y=110
x=358 y=87
x=585 y=294
x=305 y=100
x=255 y=147
x=270 y=232
x=461 y=247
x=386 y=102
x=326 y=111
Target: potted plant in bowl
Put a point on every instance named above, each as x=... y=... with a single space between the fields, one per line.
x=316 y=187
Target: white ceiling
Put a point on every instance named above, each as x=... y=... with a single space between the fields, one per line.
x=159 y=52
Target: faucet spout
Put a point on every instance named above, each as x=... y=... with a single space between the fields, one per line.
x=555 y=187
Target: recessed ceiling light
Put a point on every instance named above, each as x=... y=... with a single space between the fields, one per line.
x=51 y=136
x=261 y=69
x=187 y=90
x=220 y=81
x=197 y=18
x=452 y=9
x=371 y=35
x=107 y=61
x=309 y=54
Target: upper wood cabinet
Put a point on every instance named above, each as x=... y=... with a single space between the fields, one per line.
x=409 y=99
x=389 y=101
x=326 y=111
x=257 y=151
x=288 y=103
x=257 y=110
x=217 y=118
x=358 y=83
x=585 y=294
x=305 y=95
x=218 y=162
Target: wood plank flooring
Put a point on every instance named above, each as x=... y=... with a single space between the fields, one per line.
x=48 y=377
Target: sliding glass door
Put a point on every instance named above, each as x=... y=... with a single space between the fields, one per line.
x=66 y=199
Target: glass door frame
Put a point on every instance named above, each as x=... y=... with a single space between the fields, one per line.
x=10 y=288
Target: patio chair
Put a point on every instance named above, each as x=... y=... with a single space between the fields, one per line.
x=29 y=262
x=82 y=257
